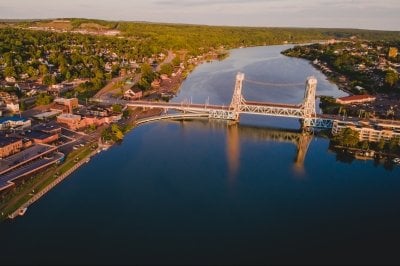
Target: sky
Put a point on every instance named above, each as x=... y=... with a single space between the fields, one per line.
x=364 y=14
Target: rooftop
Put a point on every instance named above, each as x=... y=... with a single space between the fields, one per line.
x=37 y=135
x=46 y=115
x=47 y=127
x=4 y=141
x=357 y=97
x=14 y=118
x=71 y=116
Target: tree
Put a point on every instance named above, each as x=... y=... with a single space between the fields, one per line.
x=68 y=76
x=43 y=69
x=117 y=108
x=391 y=78
x=10 y=71
x=49 y=80
x=166 y=69
x=117 y=133
x=393 y=144
x=43 y=99
x=347 y=137
x=176 y=61
x=381 y=144
x=22 y=106
x=365 y=145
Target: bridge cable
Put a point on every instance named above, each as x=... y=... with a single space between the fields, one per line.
x=273 y=84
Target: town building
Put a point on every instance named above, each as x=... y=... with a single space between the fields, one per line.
x=40 y=137
x=47 y=115
x=9 y=146
x=70 y=120
x=354 y=99
x=76 y=122
x=70 y=104
x=52 y=128
x=369 y=131
x=14 y=122
x=9 y=102
x=58 y=89
x=133 y=94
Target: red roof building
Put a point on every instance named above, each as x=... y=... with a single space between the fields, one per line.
x=356 y=99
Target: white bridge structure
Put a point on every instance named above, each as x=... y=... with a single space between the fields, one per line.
x=304 y=111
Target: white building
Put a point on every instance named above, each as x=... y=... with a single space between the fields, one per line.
x=370 y=131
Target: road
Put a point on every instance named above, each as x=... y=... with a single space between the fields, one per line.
x=167 y=60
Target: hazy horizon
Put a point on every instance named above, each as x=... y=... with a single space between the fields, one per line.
x=360 y=14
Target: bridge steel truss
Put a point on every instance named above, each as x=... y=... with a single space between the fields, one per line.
x=271 y=110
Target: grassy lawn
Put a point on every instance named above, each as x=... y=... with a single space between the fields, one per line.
x=22 y=193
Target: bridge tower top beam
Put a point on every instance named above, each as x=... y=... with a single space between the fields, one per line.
x=237 y=97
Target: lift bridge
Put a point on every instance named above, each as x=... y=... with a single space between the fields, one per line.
x=304 y=111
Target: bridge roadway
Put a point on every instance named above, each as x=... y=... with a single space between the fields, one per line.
x=179 y=106
x=170 y=116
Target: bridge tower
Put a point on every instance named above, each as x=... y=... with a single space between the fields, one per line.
x=237 y=98
x=309 y=101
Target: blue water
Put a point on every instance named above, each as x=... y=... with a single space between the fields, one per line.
x=199 y=192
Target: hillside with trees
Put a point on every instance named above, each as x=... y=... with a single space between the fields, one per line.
x=51 y=51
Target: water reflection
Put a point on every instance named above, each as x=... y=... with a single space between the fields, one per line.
x=236 y=132
x=232 y=151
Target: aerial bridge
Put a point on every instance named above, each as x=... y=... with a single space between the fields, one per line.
x=304 y=111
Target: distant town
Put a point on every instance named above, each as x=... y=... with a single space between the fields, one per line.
x=63 y=89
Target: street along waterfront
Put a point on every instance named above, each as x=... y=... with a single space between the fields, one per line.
x=203 y=192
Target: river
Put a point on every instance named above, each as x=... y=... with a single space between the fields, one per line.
x=199 y=192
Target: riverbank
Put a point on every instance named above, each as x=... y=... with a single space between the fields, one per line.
x=33 y=189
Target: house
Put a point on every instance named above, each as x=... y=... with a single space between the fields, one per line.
x=10 y=101
x=9 y=146
x=133 y=94
x=156 y=84
x=57 y=89
x=10 y=79
x=165 y=77
x=12 y=107
x=356 y=99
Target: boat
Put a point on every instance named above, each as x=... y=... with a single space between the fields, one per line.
x=22 y=211
x=396 y=160
x=364 y=155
